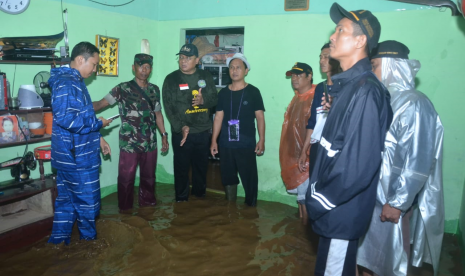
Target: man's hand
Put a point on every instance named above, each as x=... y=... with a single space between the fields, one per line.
x=390 y=214
x=198 y=99
x=105 y=122
x=326 y=105
x=165 y=145
x=104 y=146
x=214 y=148
x=260 y=148
x=303 y=164
x=185 y=132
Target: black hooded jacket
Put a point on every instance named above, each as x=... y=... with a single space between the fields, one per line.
x=342 y=191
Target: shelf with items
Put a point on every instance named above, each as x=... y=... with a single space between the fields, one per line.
x=29 y=114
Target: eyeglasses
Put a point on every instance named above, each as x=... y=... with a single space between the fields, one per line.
x=186 y=58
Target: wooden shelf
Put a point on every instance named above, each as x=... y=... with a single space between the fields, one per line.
x=31 y=188
x=30 y=141
x=34 y=62
x=25 y=111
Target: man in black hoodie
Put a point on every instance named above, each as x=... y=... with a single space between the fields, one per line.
x=342 y=191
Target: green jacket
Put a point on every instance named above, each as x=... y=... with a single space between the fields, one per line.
x=178 y=91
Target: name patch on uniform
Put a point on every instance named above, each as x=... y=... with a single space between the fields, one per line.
x=184 y=86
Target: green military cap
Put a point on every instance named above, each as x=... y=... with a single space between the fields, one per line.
x=143 y=58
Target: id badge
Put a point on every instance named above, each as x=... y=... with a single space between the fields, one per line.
x=233 y=130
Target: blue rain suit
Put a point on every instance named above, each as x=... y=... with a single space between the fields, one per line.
x=75 y=155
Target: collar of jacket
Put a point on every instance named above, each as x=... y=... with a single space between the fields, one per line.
x=359 y=68
x=71 y=71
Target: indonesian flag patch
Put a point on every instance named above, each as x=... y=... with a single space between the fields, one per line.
x=184 y=86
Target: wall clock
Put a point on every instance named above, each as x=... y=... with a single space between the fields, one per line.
x=14 y=6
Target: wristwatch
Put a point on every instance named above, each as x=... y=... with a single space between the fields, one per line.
x=164 y=134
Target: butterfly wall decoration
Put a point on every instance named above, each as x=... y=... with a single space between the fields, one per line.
x=108 y=55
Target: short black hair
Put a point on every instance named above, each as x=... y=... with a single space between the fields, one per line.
x=358 y=31
x=85 y=49
x=326 y=46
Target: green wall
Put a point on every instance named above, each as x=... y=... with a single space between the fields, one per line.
x=274 y=42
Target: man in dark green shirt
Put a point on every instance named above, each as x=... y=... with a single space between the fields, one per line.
x=188 y=94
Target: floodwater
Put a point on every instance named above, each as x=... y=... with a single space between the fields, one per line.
x=207 y=236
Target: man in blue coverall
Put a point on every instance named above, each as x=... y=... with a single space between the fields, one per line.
x=76 y=143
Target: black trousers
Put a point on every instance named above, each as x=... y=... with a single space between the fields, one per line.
x=243 y=161
x=312 y=157
x=193 y=153
x=336 y=257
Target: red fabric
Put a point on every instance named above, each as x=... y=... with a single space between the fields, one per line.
x=292 y=138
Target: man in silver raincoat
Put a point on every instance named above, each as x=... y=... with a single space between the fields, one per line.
x=410 y=203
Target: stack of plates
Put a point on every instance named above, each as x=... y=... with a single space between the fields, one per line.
x=48 y=122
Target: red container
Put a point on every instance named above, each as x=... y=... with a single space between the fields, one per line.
x=43 y=153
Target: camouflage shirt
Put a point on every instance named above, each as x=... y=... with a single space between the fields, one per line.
x=138 y=121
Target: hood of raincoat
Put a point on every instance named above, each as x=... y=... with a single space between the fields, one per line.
x=399 y=74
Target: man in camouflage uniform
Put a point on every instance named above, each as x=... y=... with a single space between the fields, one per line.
x=188 y=95
x=139 y=107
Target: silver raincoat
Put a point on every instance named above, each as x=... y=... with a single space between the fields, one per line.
x=410 y=179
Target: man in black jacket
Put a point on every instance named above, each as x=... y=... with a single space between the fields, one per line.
x=342 y=191
x=188 y=94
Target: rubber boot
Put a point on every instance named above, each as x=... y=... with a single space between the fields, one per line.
x=230 y=192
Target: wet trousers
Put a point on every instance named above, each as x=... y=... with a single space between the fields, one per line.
x=336 y=257
x=78 y=198
x=244 y=162
x=193 y=153
x=127 y=167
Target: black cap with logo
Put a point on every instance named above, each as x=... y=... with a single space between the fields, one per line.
x=189 y=50
x=390 y=49
x=300 y=68
x=365 y=19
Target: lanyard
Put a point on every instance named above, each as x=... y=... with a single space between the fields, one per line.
x=240 y=103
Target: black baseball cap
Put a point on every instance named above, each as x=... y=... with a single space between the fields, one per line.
x=365 y=19
x=189 y=50
x=300 y=68
x=390 y=49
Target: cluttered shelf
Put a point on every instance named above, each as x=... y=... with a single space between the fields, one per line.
x=36 y=126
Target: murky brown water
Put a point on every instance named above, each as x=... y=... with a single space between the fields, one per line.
x=201 y=237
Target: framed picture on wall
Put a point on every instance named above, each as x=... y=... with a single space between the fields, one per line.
x=296 y=5
x=108 y=56
x=9 y=131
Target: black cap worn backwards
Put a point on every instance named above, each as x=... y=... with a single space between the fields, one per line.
x=365 y=19
x=300 y=68
x=391 y=49
x=189 y=50
x=143 y=58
